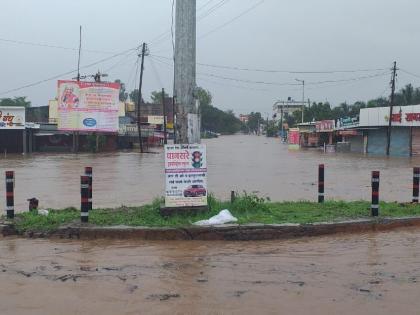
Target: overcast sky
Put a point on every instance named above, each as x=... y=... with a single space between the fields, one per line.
x=292 y=35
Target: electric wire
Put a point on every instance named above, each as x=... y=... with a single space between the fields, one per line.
x=280 y=71
x=232 y=20
x=20 y=42
x=65 y=73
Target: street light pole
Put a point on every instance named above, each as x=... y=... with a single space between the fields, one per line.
x=303 y=95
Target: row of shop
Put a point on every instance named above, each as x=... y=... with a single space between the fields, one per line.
x=27 y=130
x=368 y=135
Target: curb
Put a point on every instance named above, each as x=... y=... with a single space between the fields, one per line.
x=232 y=232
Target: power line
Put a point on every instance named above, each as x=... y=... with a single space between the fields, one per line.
x=246 y=81
x=230 y=85
x=159 y=81
x=232 y=20
x=64 y=74
x=52 y=46
x=410 y=73
x=280 y=71
x=124 y=59
x=204 y=5
x=351 y=79
x=212 y=9
x=163 y=36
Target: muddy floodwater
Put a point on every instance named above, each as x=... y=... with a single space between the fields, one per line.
x=237 y=163
x=373 y=273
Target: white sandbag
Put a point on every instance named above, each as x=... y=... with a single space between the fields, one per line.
x=223 y=217
x=43 y=212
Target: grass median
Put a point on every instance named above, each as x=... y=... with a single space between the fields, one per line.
x=247 y=208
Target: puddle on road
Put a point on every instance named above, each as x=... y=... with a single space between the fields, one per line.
x=372 y=273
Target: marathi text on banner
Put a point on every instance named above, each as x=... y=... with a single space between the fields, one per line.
x=88 y=106
x=186 y=175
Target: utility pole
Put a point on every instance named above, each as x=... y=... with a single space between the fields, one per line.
x=303 y=96
x=80 y=49
x=185 y=69
x=76 y=133
x=165 y=135
x=143 y=53
x=174 y=117
x=391 y=107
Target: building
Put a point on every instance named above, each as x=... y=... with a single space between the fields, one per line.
x=244 y=118
x=12 y=130
x=405 y=130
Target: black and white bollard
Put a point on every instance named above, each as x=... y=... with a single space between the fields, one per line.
x=232 y=196
x=10 y=195
x=89 y=173
x=84 y=194
x=321 y=179
x=416 y=177
x=375 y=194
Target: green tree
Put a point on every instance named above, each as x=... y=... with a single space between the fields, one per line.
x=156 y=97
x=214 y=119
x=16 y=101
x=123 y=93
x=254 y=121
x=134 y=96
x=204 y=97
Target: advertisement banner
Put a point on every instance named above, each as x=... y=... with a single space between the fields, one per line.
x=186 y=175
x=325 y=125
x=293 y=139
x=155 y=120
x=88 y=106
x=12 y=117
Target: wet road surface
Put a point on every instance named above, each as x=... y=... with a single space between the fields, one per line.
x=372 y=273
x=237 y=163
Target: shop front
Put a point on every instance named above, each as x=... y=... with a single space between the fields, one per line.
x=404 y=133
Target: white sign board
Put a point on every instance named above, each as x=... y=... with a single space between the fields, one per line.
x=12 y=117
x=186 y=175
x=194 y=128
x=408 y=116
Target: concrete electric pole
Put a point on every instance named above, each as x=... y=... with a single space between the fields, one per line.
x=187 y=128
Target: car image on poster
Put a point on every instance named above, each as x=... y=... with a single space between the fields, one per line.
x=185 y=175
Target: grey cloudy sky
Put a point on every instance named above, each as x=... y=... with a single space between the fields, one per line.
x=298 y=35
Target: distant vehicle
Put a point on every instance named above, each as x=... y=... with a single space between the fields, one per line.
x=195 y=191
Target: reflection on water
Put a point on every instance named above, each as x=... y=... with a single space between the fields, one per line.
x=238 y=163
x=371 y=273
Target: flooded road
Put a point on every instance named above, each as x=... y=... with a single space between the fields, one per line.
x=372 y=273
x=238 y=163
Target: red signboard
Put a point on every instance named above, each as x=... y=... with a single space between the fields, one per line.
x=325 y=125
x=293 y=136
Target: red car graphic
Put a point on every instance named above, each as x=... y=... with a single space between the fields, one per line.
x=195 y=191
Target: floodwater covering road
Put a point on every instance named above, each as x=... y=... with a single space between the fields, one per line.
x=372 y=273
x=237 y=163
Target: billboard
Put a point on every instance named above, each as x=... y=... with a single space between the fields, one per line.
x=88 y=106
x=185 y=175
x=12 y=117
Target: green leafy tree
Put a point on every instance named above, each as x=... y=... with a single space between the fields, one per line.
x=123 y=93
x=134 y=96
x=16 y=101
x=254 y=121
x=156 y=97
x=204 y=97
x=214 y=119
